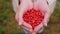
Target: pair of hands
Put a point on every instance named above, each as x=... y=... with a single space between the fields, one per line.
x=27 y=26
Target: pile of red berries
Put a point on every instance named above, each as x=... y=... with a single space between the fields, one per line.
x=33 y=17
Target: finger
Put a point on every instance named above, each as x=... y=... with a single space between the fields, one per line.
x=17 y=14
x=20 y=23
x=37 y=28
x=45 y=24
x=20 y=19
x=33 y=32
x=28 y=29
x=27 y=25
x=16 y=17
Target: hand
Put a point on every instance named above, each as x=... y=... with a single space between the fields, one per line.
x=27 y=26
x=33 y=32
x=42 y=3
x=19 y=14
x=43 y=24
x=37 y=28
x=22 y=23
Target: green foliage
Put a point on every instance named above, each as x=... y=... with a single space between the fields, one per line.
x=2 y=30
x=16 y=32
x=4 y=17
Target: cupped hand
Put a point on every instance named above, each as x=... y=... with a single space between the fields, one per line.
x=21 y=9
x=43 y=6
x=37 y=28
x=43 y=24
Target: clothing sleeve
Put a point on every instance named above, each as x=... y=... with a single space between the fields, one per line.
x=52 y=4
x=50 y=11
x=15 y=4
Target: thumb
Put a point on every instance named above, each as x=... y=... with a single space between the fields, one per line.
x=20 y=23
x=33 y=32
x=20 y=18
x=45 y=24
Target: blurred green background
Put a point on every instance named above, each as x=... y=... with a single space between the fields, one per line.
x=8 y=24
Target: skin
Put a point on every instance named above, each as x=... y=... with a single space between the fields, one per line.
x=27 y=4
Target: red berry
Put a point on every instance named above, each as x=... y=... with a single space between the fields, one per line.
x=33 y=17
